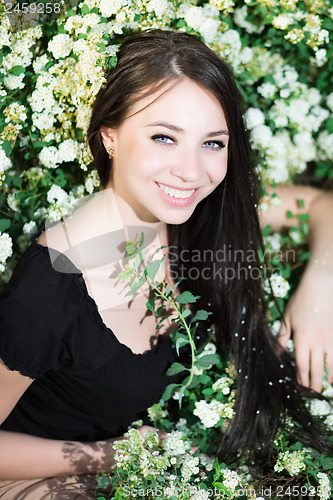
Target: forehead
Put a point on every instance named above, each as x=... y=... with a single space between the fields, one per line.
x=183 y=100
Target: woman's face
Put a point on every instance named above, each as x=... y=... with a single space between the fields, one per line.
x=170 y=153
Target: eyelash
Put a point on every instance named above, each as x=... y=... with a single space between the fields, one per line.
x=158 y=137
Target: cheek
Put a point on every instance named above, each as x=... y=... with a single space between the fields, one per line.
x=218 y=171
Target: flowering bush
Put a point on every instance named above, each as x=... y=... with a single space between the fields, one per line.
x=281 y=52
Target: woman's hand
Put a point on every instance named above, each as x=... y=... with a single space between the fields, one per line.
x=309 y=317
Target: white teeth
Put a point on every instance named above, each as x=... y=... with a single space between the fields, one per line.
x=176 y=193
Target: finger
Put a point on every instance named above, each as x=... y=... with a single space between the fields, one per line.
x=302 y=357
x=317 y=369
x=285 y=332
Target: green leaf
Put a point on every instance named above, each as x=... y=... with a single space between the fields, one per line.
x=176 y=368
x=150 y=304
x=327 y=463
x=85 y=9
x=180 y=342
x=217 y=467
x=131 y=249
x=101 y=46
x=329 y=125
x=123 y=275
x=169 y=391
x=181 y=23
x=181 y=394
x=4 y=224
x=208 y=391
x=186 y=298
x=220 y=486
x=208 y=359
x=266 y=231
x=7 y=147
x=17 y=70
x=186 y=313
x=304 y=216
x=103 y=482
x=290 y=214
x=152 y=268
x=200 y=315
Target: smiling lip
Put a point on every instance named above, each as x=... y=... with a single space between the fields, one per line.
x=177 y=197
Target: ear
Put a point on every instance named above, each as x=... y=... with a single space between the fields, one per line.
x=108 y=136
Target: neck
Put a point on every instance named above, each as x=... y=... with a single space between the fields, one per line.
x=130 y=218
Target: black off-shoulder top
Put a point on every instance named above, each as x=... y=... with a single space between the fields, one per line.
x=87 y=385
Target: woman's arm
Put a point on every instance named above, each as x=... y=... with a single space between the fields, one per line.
x=28 y=457
x=309 y=311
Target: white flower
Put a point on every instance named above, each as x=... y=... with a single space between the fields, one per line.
x=6 y=249
x=12 y=202
x=262 y=136
x=329 y=422
x=92 y=181
x=208 y=29
x=273 y=241
x=254 y=118
x=189 y=468
x=5 y=162
x=320 y=408
x=230 y=479
x=176 y=444
x=240 y=19
x=29 y=227
x=246 y=55
x=291 y=461
x=209 y=413
x=13 y=82
x=279 y=284
x=109 y=7
x=276 y=325
x=194 y=17
x=160 y=7
x=43 y=121
x=282 y=21
x=49 y=156
x=267 y=90
x=56 y=193
x=200 y=495
x=222 y=384
x=60 y=46
x=68 y=150
x=324 y=491
x=39 y=63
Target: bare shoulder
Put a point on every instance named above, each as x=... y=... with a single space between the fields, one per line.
x=54 y=237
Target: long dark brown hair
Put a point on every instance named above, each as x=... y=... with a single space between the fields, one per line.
x=225 y=221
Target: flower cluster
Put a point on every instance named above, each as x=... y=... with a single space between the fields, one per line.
x=6 y=251
x=291 y=461
x=280 y=285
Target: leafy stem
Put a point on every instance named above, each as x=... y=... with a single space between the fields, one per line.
x=169 y=297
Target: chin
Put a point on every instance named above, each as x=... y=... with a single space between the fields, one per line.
x=176 y=219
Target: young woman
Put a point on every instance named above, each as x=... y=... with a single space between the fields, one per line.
x=79 y=361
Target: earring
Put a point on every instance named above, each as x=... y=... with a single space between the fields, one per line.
x=110 y=152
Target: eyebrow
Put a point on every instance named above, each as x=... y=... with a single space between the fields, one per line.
x=178 y=129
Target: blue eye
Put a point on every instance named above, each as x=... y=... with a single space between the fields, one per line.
x=163 y=139
x=215 y=145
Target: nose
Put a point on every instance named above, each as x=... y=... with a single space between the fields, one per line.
x=187 y=166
